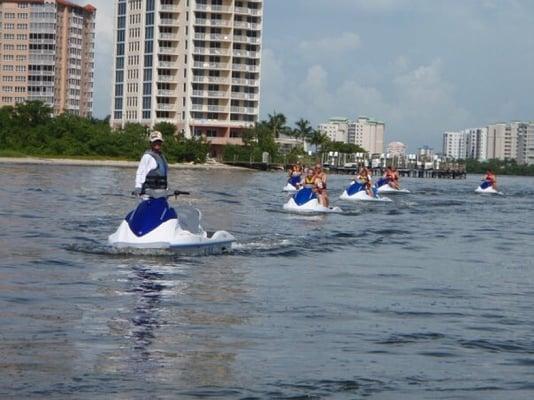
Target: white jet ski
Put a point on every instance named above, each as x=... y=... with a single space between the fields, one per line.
x=356 y=192
x=486 y=188
x=156 y=225
x=293 y=184
x=382 y=186
x=306 y=201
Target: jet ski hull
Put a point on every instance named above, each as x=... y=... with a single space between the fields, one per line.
x=389 y=190
x=311 y=206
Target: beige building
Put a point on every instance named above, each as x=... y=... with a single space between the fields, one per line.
x=368 y=134
x=337 y=129
x=396 y=149
x=193 y=63
x=47 y=54
x=502 y=140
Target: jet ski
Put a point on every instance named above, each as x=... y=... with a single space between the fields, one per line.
x=356 y=192
x=292 y=184
x=306 y=201
x=382 y=186
x=486 y=187
x=156 y=225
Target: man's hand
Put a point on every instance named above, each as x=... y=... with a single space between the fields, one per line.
x=136 y=192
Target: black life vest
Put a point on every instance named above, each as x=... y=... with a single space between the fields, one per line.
x=157 y=177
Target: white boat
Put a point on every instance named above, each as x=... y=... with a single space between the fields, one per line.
x=356 y=192
x=306 y=201
x=156 y=225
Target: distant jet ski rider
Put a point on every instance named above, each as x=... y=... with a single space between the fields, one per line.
x=152 y=170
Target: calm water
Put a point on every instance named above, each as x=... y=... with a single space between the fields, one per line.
x=430 y=297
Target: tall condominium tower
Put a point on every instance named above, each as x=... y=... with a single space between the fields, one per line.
x=193 y=63
x=47 y=54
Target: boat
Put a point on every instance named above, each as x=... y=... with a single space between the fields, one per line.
x=293 y=184
x=306 y=201
x=356 y=192
x=383 y=186
x=486 y=187
x=154 y=224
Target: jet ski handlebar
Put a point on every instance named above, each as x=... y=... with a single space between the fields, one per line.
x=160 y=193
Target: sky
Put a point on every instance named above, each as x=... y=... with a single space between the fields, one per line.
x=423 y=67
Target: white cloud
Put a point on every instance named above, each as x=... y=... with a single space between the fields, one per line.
x=346 y=42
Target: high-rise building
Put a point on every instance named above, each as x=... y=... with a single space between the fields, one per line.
x=396 y=149
x=503 y=140
x=525 y=145
x=454 y=145
x=193 y=63
x=47 y=54
x=337 y=129
x=476 y=143
x=369 y=134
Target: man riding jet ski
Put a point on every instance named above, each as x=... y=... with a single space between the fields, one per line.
x=154 y=224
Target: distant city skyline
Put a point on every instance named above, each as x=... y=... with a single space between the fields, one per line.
x=421 y=67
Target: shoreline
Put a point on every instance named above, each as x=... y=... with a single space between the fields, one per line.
x=111 y=163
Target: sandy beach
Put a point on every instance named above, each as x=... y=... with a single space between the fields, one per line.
x=110 y=163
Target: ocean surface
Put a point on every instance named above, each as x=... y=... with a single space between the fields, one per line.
x=428 y=297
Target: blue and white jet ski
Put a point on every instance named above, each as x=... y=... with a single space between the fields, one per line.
x=383 y=186
x=293 y=184
x=306 y=201
x=156 y=225
x=356 y=192
x=486 y=188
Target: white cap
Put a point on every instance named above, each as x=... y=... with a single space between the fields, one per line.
x=155 y=136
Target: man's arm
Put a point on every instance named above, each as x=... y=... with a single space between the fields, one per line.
x=146 y=164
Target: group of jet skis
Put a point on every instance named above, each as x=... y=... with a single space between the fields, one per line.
x=154 y=224
x=311 y=194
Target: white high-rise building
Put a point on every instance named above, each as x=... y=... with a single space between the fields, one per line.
x=193 y=63
x=336 y=129
x=396 y=149
x=503 y=140
x=476 y=143
x=454 y=144
x=369 y=134
x=525 y=145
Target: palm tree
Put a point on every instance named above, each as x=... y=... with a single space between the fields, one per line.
x=277 y=123
x=318 y=139
x=304 y=130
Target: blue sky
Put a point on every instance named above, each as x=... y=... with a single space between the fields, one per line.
x=421 y=66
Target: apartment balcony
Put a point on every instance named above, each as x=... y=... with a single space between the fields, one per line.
x=246 y=68
x=247 y=25
x=169 y=8
x=244 y=110
x=214 y=94
x=245 y=96
x=166 y=93
x=245 y=82
x=209 y=108
x=248 y=11
x=214 y=51
x=247 y=39
x=211 y=79
x=246 y=53
x=168 y=50
x=213 y=22
x=168 y=21
x=168 y=36
x=213 y=8
x=213 y=37
x=165 y=107
x=167 y=78
x=223 y=140
x=211 y=65
x=167 y=64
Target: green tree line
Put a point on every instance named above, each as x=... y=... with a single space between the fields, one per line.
x=500 y=167
x=30 y=129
